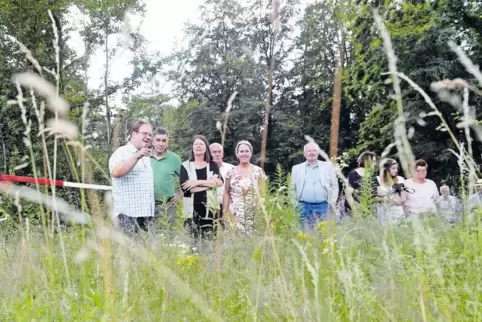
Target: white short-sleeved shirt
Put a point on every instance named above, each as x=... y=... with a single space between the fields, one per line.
x=133 y=194
x=475 y=200
x=448 y=204
x=424 y=198
x=224 y=169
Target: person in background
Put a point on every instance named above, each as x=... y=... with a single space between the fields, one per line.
x=423 y=200
x=243 y=183
x=366 y=160
x=166 y=167
x=217 y=152
x=132 y=188
x=200 y=177
x=390 y=210
x=316 y=187
x=447 y=205
x=475 y=200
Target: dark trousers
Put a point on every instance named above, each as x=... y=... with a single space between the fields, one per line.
x=219 y=220
x=199 y=227
x=132 y=225
x=166 y=210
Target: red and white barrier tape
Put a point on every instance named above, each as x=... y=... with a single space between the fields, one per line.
x=58 y=183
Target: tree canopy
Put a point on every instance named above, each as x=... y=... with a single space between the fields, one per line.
x=231 y=49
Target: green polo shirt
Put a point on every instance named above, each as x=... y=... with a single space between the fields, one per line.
x=166 y=175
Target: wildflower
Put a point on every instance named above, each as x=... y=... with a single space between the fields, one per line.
x=187 y=262
x=302 y=236
x=322 y=226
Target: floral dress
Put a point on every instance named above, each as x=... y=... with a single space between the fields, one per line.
x=244 y=196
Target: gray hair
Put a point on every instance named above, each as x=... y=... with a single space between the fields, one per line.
x=216 y=144
x=445 y=187
x=161 y=131
x=306 y=146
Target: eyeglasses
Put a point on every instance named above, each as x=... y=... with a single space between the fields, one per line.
x=145 y=134
x=422 y=171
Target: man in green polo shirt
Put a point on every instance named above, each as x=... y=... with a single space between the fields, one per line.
x=166 y=167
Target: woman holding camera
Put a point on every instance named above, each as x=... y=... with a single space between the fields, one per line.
x=392 y=191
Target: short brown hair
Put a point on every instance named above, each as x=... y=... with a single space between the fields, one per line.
x=420 y=163
x=161 y=131
x=137 y=125
x=364 y=157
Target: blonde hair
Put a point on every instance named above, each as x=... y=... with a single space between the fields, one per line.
x=245 y=143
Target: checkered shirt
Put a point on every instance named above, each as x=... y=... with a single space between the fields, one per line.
x=133 y=194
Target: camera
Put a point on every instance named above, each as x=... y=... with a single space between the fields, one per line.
x=398 y=187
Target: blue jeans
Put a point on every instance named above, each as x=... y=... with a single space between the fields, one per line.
x=312 y=213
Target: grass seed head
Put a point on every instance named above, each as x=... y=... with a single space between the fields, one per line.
x=62 y=128
x=44 y=88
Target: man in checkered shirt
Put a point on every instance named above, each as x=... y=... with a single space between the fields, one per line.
x=132 y=180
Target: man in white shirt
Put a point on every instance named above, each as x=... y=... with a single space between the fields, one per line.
x=447 y=205
x=217 y=153
x=132 y=180
x=475 y=200
x=423 y=200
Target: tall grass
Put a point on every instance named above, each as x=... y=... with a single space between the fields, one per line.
x=424 y=271
x=358 y=271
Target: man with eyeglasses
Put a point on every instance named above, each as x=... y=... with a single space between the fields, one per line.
x=423 y=200
x=131 y=171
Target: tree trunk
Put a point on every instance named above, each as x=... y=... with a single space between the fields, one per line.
x=266 y=117
x=275 y=22
x=4 y=149
x=86 y=99
x=106 y=83
x=268 y=106
x=336 y=106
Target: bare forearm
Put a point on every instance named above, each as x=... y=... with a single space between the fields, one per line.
x=180 y=193
x=210 y=183
x=262 y=187
x=226 y=201
x=349 y=196
x=125 y=167
x=198 y=189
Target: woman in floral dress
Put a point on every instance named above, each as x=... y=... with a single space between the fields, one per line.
x=243 y=183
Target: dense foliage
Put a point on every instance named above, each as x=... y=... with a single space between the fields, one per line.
x=230 y=49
